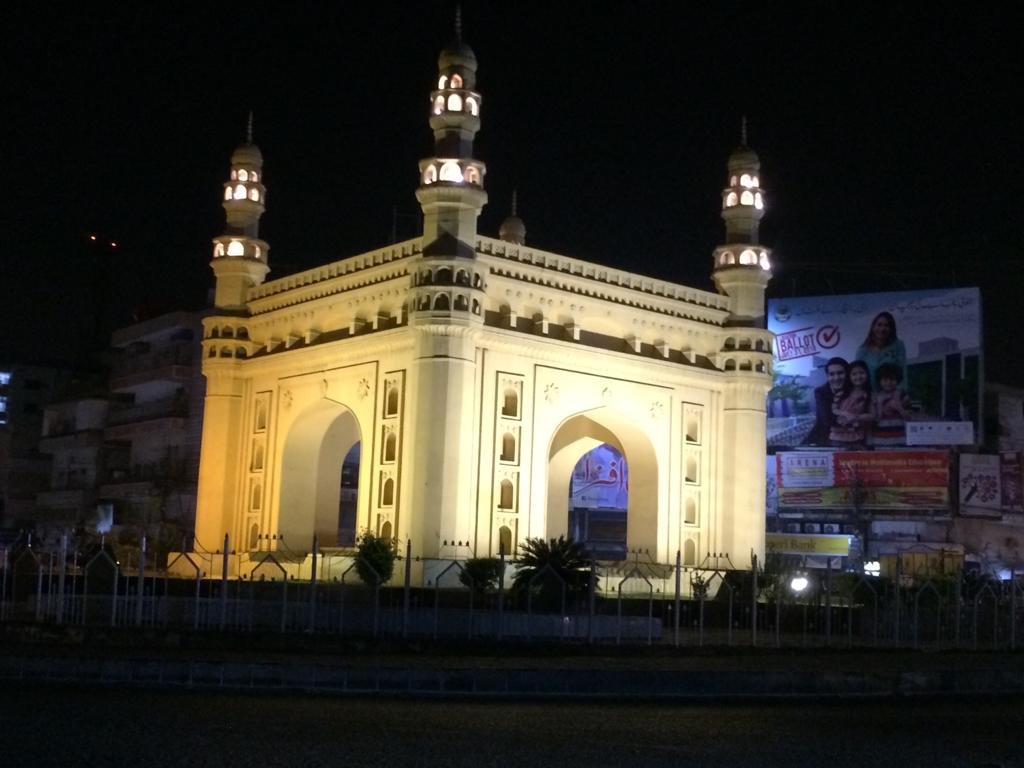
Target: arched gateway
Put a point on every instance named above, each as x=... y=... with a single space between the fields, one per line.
x=475 y=373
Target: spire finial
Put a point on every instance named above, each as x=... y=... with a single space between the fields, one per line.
x=515 y=194
x=458 y=22
x=248 y=129
x=743 y=131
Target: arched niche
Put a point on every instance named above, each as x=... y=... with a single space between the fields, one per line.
x=316 y=447
x=580 y=433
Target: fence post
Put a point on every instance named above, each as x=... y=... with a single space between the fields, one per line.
x=828 y=601
x=39 y=590
x=896 y=608
x=501 y=588
x=1013 y=608
x=753 y=600
x=224 y=586
x=676 y=603
x=63 y=574
x=408 y=586
x=142 y=581
x=312 y=584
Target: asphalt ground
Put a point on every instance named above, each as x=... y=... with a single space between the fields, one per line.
x=66 y=725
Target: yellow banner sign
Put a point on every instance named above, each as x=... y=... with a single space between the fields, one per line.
x=835 y=545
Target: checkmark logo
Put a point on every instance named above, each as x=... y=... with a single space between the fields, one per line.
x=827 y=336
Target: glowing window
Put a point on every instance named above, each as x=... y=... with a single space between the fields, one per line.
x=728 y=257
x=218 y=249
x=754 y=181
x=429 y=174
x=227 y=193
x=254 y=194
x=765 y=264
x=472 y=106
x=732 y=182
x=254 y=176
x=240 y=192
x=747 y=198
x=256 y=252
x=758 y=201
x=442 y=83
x=450 y=171
x=730 y=200
x=746 y=181
x=243 y=175
x=234 y=174
x=456 y=81
x=472 y=175
x=439 y=105
x=748 y=257
x=235 y=248
x=455 y=103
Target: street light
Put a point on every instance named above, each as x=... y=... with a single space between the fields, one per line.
x=798 y=583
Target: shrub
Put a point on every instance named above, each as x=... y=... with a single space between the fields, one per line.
x=376 y=558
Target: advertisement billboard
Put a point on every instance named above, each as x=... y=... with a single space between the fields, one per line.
x=882 y=480
x=980 y=491
x=852 y=371
x=1010 y=482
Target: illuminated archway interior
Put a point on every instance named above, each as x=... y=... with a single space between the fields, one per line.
x=599 y=501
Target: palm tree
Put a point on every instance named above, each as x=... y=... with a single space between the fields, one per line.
x=562 y=557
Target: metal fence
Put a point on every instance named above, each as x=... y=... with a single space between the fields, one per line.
x=636 y=601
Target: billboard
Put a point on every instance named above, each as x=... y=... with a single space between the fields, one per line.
x=1010 y=482
x=883 y=480
x=980 y=491
x=852 y=371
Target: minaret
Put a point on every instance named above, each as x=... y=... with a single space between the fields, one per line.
x=451 y=191
x=742 y=267
x=512 y=229
x=446 y=310
x=239 y=256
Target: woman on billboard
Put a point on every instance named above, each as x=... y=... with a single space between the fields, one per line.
x=882 y=345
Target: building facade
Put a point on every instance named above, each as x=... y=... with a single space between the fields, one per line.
x=467 y=375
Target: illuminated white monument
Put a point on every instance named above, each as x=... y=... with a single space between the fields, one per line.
x=471 y=374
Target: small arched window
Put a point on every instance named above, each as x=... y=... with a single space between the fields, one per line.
x=730 y=365
x=243 y=175
x=472 y=106
x=691 y=469
x=689 y=553
x=385 y=530
x=227 y=193
x=391 y=407
x=730 y=200
x=454 y=103
x=387 y=493
x=450 y=171
x=763 y=261
x=758 y=201
x=256 y=252
x=254 y=536
x=732 y=181
x=240 y=192
x=692 y=430
x=225 y=352
x=441 y=302
x=462 y=277
x=477 y=281
x=745 y=180
x=747 y=198
x=444 y=276
x=505 y=497
x=748 y=257
x=690 y=512
x=439 y=105
x=257 y=458
x=234 y=174
x=218 y=250
x=235 y=248
x=254 y=194
x=508 y=447
x=505 y=541
x=254 y=177
x=476 y=307
x=472 y=175
x=261 y=417
x=510 y=406
x=257 y=496
x=442 y=83
x=240 y=353
x=429 y=174
x=754 y=181
x=456 y=80
x=461 y=303
x=390 y=446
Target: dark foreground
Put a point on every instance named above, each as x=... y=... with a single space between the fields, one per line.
x=50 y=725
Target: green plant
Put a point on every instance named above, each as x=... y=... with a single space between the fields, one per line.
x=481 y=574
x=563 y=557
x=375 y=561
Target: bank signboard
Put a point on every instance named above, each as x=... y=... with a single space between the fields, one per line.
x=867 y=480
x=853 y=371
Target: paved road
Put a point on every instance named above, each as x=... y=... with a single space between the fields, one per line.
x=47 y=725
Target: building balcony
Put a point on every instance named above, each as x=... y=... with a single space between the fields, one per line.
x=168 y=408
x=66 y=499
x=175 y=364
x=61 y=440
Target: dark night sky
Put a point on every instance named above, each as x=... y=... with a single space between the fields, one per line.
x=889 y=140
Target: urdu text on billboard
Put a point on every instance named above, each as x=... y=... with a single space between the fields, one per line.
x=853 y=371
x=863 y=479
